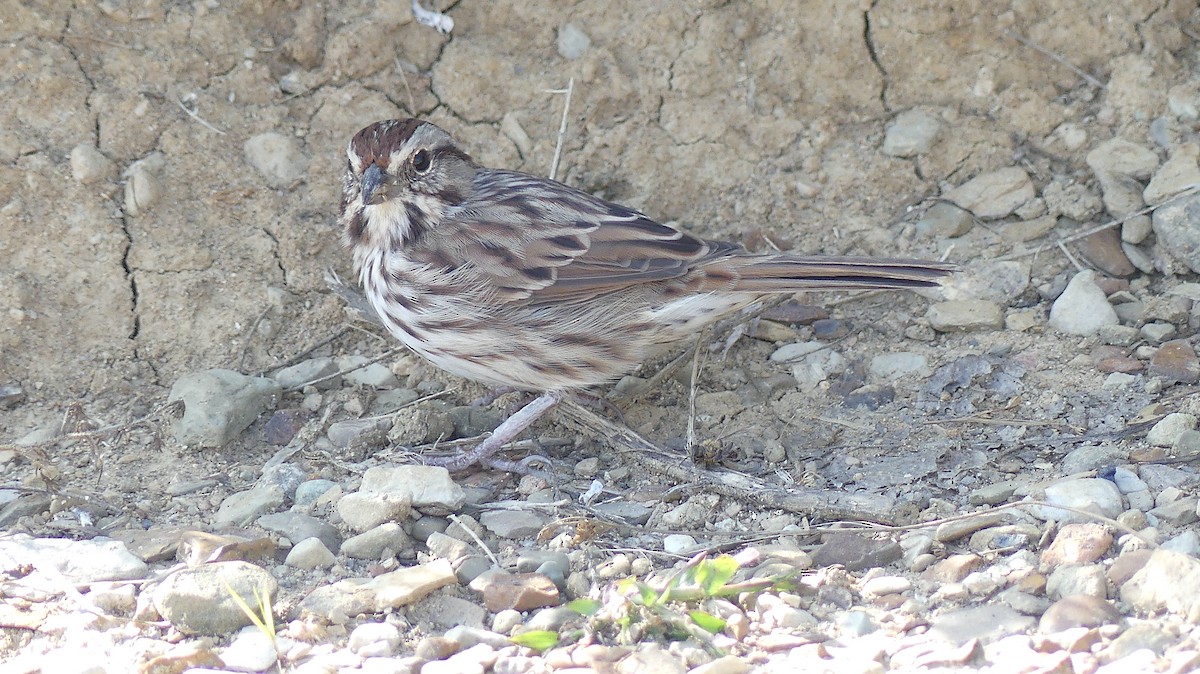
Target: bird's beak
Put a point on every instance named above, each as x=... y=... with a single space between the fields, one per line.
x=373 y=178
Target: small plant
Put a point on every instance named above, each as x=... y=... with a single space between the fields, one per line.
x=264 y=617
x=672 y=609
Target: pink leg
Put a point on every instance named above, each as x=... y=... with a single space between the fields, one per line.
x=504 y=434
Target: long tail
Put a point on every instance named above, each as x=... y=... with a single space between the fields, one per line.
x=783 y=273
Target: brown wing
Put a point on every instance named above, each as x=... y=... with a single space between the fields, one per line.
x=539 y=241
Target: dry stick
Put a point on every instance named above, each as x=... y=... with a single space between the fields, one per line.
x=348 y=370
x=822 y=504
x=691 y=425
x=412 y=102
x=478 y=541
x=98 y=432
x=196 y=117
x=562 y=127
x=1087 y=77
x=1186 y=192
x=304 y=353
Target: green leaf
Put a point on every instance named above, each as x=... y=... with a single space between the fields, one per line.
x=707 y=621
x=721 y=570
x=648 y=594
x=585 y=607
x=538 y=640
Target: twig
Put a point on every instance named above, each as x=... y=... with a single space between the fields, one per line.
x=412 y=102
x=304 y=354
x=1087 y=77
x=442 y=22
x=196 y=117
x=1186 y=192
x=169 y=407
x=562 y=127
x=691 y=424
x=1070 y=257
x=348 y=370
x=478 y=541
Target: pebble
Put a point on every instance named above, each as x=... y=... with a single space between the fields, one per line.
x=1122 y=195
x=1180 y=512
x=1187 y=543
x=219 y=405
x=374 y=639
x=898 y=365
x=830 y=329
x=311 y=370
x=310 y=553
x=430 y=488
x=89 y=166
x=143 y=186
x=632 y=513
x=388 y=401
x=1158 y=332
x=945 y=220
x=1165 y=582
x=1082 y=308
x=1077 y=544
x=1104 y=250
x=1137 y=637
x=362 y=434
x=912 y=133
x=882 y=585
x=517 y=591
x=277 y=157
x=978 y=622
x=965 y=316
x=371 y=544
x=1093 y=457
x=284 y=425
x=1168 y=430
x=1176 y=361
x=1066 y=581
x=1078 y=611
x=954 y=530
x=572 y=41
x=198 y=600
x=1175 y=175
x=309 y=491
x=365 y=373
x=243 y=507
x=1118 y=156
x=366 y=510
x=994 y=195
x=1136 y=229
x=1072 y=199
x=251 y=651
x=1090 y=494
x=855 y=552
x=77 y=561
x=514 y=523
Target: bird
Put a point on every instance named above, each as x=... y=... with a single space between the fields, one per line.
x=523 y=282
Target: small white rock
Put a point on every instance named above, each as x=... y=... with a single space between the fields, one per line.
x=88 y=165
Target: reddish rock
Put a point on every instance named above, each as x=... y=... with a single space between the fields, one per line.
x=1120 y=364
x=520 y=591
x=1176 y=360
x=1077 y=544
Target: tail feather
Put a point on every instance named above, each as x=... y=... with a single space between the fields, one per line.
x=783 y=273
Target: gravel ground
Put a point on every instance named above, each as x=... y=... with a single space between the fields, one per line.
x=996 y=476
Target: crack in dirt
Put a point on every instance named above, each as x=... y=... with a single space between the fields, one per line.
x=869 y=41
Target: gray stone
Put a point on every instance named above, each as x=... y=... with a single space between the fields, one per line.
x=372 y=544
x=310 y=553
x=1089 y=494
x=1168 y=429
x=1118 y=156
x=994 y=195
x=243 y=507
x=1167 y=581
x=367 y=374
x=572 y=41
x=298 y=526
x=1175 y=175
x=980 y=622
x=945 y=220
x=277 y=157
x=219 y=404
x=901 y=364
x=1177 y=225
x=77 y=561
x=308 y=492
x=311 y=370
x=965 y=316
x=374 y=639
x=1066 y=581
x=1082 y=308
x=89 y=166
x=367 y=510
x=513 y=523
x=430 y=488
x=199 y=600
x=912 y=133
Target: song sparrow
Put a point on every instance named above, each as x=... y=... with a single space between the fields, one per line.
x=519 y=281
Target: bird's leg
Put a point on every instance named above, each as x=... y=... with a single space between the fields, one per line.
x=504 y=434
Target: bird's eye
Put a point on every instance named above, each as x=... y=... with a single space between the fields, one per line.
x=420 y=161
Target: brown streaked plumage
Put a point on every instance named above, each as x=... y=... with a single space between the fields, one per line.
x=515 y=280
